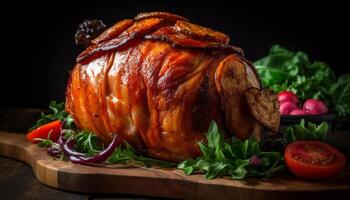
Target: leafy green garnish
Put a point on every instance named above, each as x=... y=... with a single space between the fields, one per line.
x=57 y=113
x=219 y=158
x=88 y=143
x=310 y=131
x=287 y=70
x=237 y=159
x=293 y=71
x=341 y=95
x=48 y=143
x=301 y=131
x=128 y=155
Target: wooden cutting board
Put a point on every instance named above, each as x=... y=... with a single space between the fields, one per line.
x=168 y=183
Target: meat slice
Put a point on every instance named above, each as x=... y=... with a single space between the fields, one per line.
x=178 y=39
x=136 y=31
x=231 y=82
x=201 y=33
x=114 y=31
x=164 y=15
x=264 y=107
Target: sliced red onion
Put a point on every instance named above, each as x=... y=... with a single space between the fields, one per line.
x=68 y=148
x=67 y=145
x=100 y=157
x=61 y=140
x=54 y=152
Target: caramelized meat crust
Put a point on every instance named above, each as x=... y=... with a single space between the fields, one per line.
x=159 y=81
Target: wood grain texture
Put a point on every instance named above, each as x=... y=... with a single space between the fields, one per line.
x=168 y=183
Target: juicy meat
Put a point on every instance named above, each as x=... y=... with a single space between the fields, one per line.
x=159 y=81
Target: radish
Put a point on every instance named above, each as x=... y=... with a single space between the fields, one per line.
x=287 y=107
x=287 y=96
x=298 y=112
x=315 y=107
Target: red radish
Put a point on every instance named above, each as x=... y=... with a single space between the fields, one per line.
x=287 y=107
x=315 y=107
x=298 y=112
x=287 y=96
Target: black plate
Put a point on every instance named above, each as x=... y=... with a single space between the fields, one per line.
x=288 y=120
x=295 y=119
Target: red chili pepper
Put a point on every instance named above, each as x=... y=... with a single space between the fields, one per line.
x=52 y=128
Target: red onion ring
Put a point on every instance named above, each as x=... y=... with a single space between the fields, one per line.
x=100 y=157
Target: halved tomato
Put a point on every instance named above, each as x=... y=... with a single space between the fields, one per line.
x=313 y=159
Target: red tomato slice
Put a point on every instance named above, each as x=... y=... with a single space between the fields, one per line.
x=313 y=159
x=52 y=128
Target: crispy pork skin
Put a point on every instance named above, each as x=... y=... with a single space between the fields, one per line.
x=159 y=80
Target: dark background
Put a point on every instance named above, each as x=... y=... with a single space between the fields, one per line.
x=38 y=47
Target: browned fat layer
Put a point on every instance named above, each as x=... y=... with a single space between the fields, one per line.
x=155 y=100
x=74 y=89
x=201 y=33
x=164 y=15
x=137 y=30
x=113 y=31
x=207 y=103
x=149 y=71
x=116 y=89
x=79 y=94
x=186 y=42
x=88 y=93
x=138 y=95
x=102 y=87
x=94 y=74
x=171 y=81
x=68 y=94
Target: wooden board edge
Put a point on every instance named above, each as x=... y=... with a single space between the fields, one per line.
x=121 y=184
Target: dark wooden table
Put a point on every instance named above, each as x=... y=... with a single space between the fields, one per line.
x=17 y=180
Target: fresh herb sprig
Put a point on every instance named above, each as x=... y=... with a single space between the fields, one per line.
x=57 y=113
x=91 y=144
x=128 y=155
x=301 y=131
x=237 y=159
x=88 y=143
x=341 y=95
x=309 y=131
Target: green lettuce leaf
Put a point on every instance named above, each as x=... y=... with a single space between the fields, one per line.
x=283 y=70
x=220 y=158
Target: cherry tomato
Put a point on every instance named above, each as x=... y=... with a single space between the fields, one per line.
x=52 y=128
x=313 y=159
